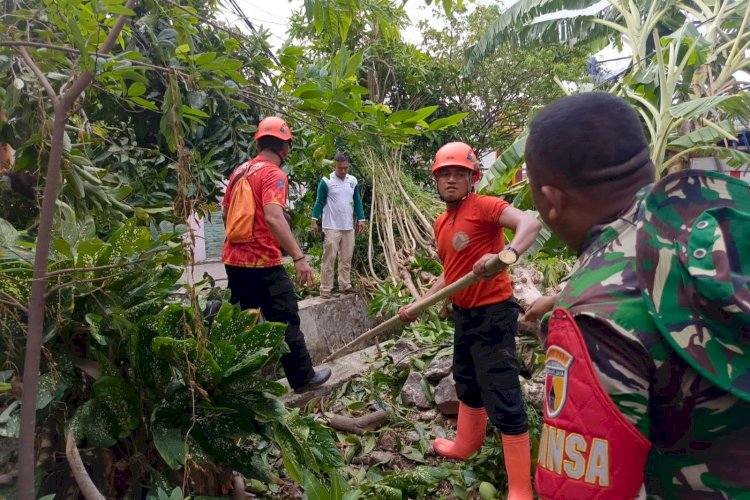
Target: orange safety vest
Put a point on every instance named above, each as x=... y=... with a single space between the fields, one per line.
x=587 y=448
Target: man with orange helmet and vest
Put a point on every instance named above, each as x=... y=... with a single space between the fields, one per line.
x=469 y=233
x=648 y=347
x=257 y=278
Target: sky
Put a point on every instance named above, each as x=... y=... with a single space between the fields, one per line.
x=274 y=16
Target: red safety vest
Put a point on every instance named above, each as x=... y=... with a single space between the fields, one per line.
x=587 y=449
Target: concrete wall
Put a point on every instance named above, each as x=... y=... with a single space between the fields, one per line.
x=213 y=232
x=329 y=324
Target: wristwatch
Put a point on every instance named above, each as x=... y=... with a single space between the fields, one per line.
x=508 y=247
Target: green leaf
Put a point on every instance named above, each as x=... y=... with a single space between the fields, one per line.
x=223 y=352
x=265 y=408
x=120 y=10
x=199 y=360
x=251 y=383
x=176 y=321
x=52 y=386
x=401 y=116
x=170 y=445
x=245 y=459
x=194 y=112
x=505 y=166
x=383 y=492
x=250 y=364
x=96 y=326
x=118 y=397
x=148 y=369
x=314 y=489
x=144 y=103
x=447 y=7
x=8 y=234
x=10 y=420
x=409 y=481
x=136 y=89
x=345 y=21
x=130 y=239
x=735 y=106
x=59 y=244
x=90 y=252
x=264 y=336
x=423 y=113
x=448 y=121
x=92 y=422
x=231 y=322
x=292 y=453
x=704 y=136
x=353 y=65
x=322 y=443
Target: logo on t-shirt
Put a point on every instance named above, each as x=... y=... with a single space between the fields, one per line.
x=460 y=241
x=280 y=184
x=557 y=367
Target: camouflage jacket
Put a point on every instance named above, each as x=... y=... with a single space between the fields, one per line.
x=700 y=434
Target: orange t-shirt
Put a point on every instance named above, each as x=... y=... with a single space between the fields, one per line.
x=463 y=235
x=269 y=185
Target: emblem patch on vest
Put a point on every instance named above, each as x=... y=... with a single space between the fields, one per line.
x=557 y=367
x=460 y=241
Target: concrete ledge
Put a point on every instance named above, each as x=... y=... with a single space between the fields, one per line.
x=342 y=370
x=330 y=323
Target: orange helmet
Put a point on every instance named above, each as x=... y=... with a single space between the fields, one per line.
x=275 y=127
x=457 y=154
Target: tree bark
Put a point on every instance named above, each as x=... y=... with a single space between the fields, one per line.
x=62 y=106
x=87 y=486
x=360 y=425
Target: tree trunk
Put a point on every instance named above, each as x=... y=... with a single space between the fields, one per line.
x=62 y=106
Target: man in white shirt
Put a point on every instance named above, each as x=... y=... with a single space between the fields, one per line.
x=338 y=200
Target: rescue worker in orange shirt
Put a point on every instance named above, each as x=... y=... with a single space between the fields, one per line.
x=468 y=234
x=255 y=272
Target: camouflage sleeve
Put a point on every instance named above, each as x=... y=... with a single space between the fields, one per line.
x=624 y=367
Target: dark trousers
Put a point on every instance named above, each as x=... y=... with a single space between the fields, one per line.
x=271 y=289
x=485 y=366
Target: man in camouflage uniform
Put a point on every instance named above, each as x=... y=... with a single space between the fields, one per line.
x=660 y=295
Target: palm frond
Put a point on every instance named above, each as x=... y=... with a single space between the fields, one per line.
x=505 y=166
x=513 y=26
x=704 y=136
x=733 y=106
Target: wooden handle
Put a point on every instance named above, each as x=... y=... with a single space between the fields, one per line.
x=495 y=265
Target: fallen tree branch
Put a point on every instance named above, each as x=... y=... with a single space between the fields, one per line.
x=88 y=489
x=238 y=487
x=494 y=265
x=360 y=425
x=8 y=479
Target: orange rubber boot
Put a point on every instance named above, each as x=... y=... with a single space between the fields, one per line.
x=517 y=452
x=472 y=426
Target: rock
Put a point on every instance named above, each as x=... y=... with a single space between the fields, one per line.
x=530 y=329
x=411 y=437
x=412 y=393
x=374 y=457
x=439 y=432
x=381 y=456
x=428 y=416
x=439 y=368
x=445 y=396
x=533 y=390
x=525 y=280
x=400 y=353
x=387 y=440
